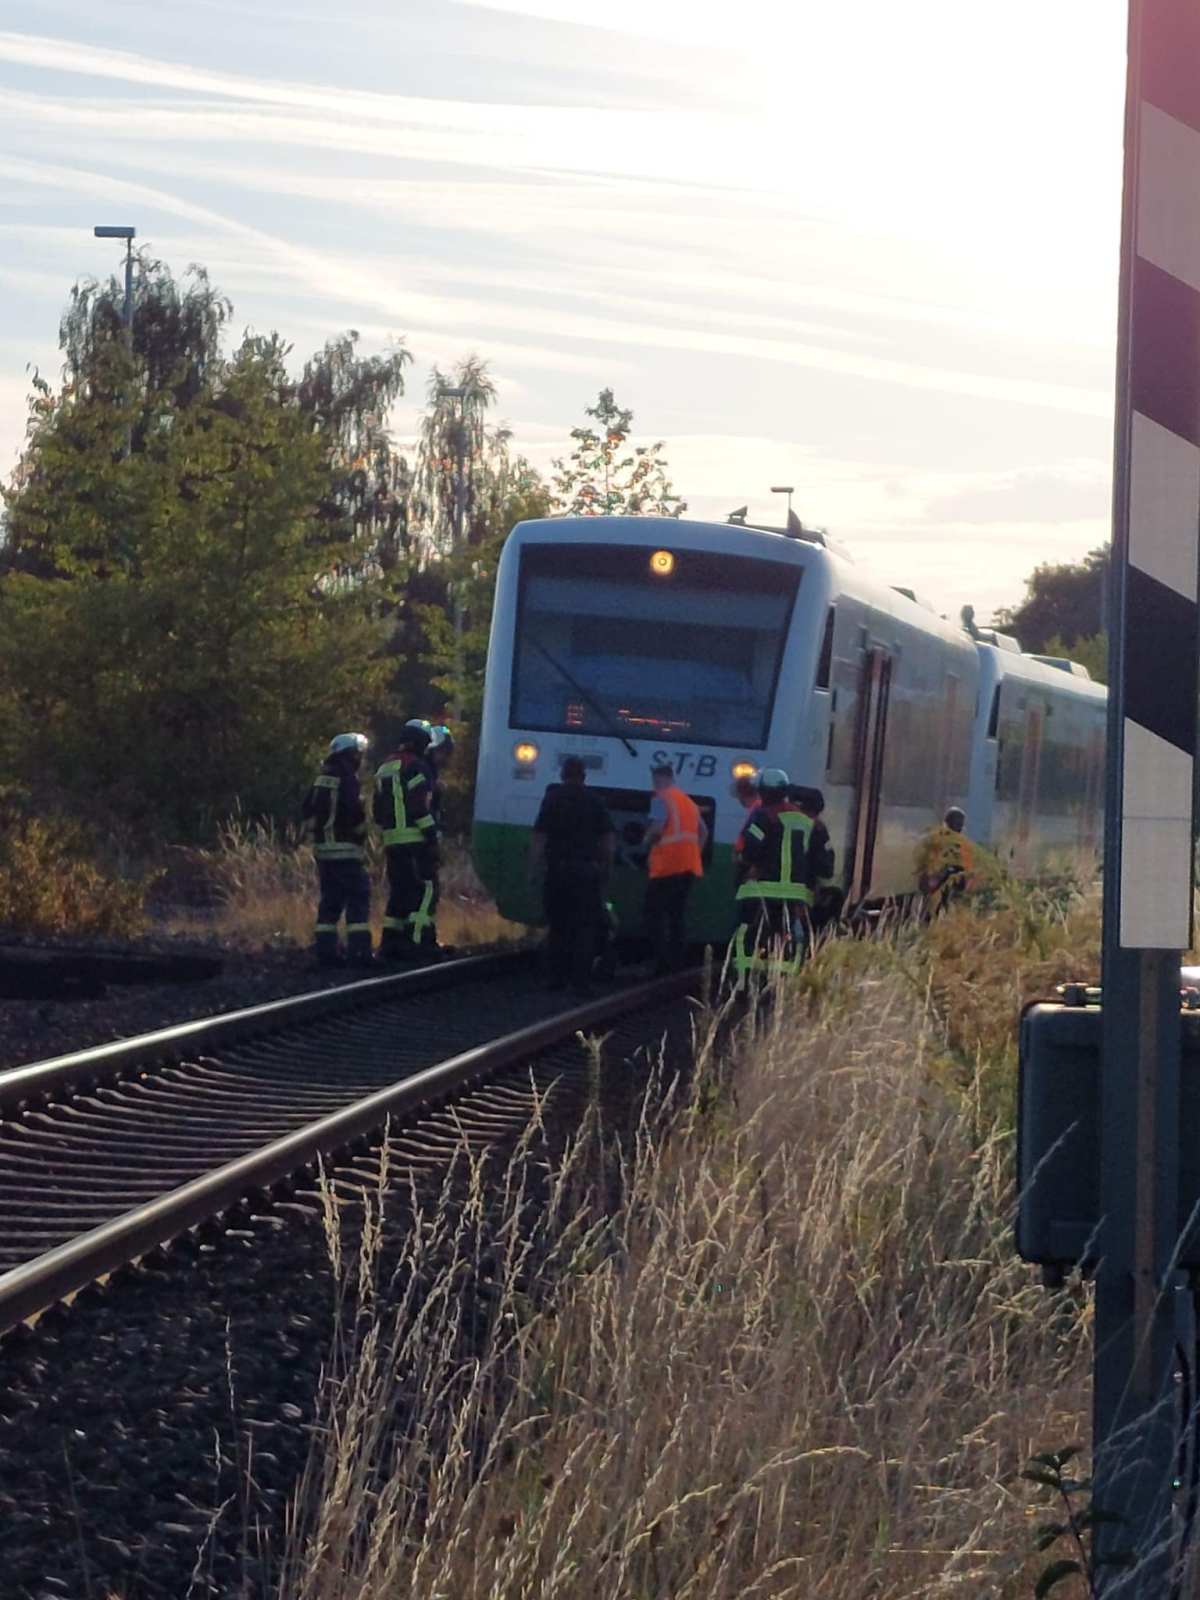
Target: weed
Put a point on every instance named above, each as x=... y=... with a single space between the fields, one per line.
x=52 y=883
x=772 y=1342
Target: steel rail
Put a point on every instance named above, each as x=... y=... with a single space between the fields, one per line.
x=206 y=1035
x=68 y=1268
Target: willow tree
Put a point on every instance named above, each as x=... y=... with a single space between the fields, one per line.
x=457 y=455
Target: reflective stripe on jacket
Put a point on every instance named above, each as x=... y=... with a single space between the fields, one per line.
x=333 y=806
x=677 y=852
x=401 y=803
x=776 y=855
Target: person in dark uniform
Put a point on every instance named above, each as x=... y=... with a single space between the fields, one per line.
x=401 y=808
x=572 y=843
x=827 y=895
x=334 y=811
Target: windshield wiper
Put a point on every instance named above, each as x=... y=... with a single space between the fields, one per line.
x=602 y=711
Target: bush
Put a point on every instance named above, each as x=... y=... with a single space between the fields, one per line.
x=50 y=883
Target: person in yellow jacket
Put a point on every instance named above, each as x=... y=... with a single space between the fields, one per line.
x=945 y=860
x=676 y=836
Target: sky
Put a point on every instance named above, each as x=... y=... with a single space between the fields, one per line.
x=865 y=249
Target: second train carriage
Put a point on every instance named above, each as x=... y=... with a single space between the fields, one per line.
x=721 y=649
x=1037 y=763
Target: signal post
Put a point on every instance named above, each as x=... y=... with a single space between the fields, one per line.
x=1152 y=720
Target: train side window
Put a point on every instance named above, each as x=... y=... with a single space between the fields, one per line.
x=994 y=713
x=825 y=663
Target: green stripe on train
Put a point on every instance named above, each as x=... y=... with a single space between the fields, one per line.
x=501 y=852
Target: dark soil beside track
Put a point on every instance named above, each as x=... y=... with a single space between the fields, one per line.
x=32 y=1030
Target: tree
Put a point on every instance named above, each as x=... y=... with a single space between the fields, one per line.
x=346 y=398
x=509 y=492
x=455 y=452
x=1063 y=601
x=175 y=338
x=1091 y=653
x=181 y=626
x=604 y=477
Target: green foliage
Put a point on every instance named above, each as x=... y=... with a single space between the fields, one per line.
x=50 y=883
x=364 y=504
x=1091 y=652
x=175 y=338
x=513 y=493
x=183 y=623
x=1063 y=602
x=1075 y=1525
x=458 y=456
x=604 y=477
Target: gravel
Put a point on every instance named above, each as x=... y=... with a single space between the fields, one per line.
x=153 y=1435
x=32 y=1030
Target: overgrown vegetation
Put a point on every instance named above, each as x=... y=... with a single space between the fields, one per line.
x=254 y=890
x=51 y=884
x=796 y=1357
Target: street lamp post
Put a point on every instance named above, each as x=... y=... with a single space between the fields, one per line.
x=458 y=393
x=129 y=235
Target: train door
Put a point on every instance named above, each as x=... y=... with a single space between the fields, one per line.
x=1093 y=803
x=1027 y=792
x=874 y=693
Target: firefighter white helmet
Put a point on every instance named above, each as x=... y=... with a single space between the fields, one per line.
x=357 y=742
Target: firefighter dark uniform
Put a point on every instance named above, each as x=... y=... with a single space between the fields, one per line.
x=410 y=839
x=334 y=810
x=827 y=895
x=776 y=895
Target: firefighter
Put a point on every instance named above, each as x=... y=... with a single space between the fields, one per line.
x=775 y=897
x=401 y=808
x=945 y=860
x=827 y=894
x=441 y=753
x=573 y=841
x=334 y=810
x=676 y=837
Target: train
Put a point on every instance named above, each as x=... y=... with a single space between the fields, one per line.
x=721 y=648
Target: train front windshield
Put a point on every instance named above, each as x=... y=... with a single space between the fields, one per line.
x=609 y=642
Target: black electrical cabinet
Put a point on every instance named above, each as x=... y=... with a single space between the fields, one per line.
x=1058 y=1135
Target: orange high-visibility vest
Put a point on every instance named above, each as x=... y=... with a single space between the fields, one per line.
x=678 y=851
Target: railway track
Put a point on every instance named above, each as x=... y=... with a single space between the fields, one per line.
x=111 y=1152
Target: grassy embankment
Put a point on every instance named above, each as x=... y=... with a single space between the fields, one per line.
x=797 y=1359
x=255 y=889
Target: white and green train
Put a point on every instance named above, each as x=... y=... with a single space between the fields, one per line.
x=723 y=648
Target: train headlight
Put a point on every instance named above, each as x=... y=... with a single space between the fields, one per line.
x=526 y=753
x=744 y=769
x=662 y=563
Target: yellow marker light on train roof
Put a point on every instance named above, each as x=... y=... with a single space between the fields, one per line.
x=744 y=769
x=525 y=753
x=662 y=563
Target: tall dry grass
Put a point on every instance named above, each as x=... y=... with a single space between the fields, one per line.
x=258 y=888
x=794 y=1356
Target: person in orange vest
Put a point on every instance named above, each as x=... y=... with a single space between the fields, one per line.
x=676 y=837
